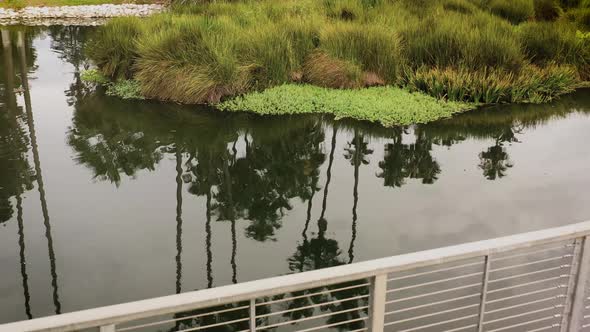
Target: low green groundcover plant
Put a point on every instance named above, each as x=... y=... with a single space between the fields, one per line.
x=125 y=89
x=474 y=51
x=386 y=105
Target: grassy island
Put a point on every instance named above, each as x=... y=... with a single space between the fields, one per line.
x=391 y=61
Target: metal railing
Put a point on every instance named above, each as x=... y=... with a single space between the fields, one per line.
x=527 y=282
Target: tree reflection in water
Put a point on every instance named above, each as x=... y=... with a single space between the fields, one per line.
x=17 y=135
x=16 y=175
x=408 y=161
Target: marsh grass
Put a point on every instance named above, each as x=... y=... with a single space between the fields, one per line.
x=114 y=47
x=491 y=86
x=484 y=51
x=547 y=10
x=545 y=42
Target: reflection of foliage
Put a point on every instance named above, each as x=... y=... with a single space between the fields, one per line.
x=254 y=186
x=112 y=141
x=68 y=42
x=421 y=164
x=270 y=158
x=414 y=161
x=110 y=149
x=495 y=161
x=501 y=126
x=15 y=172
x=16 y=175
x=357 y=150
x=321 y=252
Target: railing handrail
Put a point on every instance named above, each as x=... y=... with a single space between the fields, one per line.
x=120 y=313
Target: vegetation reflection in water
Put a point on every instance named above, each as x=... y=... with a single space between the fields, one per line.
x=247 y=168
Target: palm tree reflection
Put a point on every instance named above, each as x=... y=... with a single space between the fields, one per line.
x=37 y=163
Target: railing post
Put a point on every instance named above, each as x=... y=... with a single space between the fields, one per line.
x=107 y=328
x=576 y=291
x=252 y=315
x=484 y=292
x=377 y=296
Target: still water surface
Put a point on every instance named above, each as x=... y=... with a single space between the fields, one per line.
x=105 y=201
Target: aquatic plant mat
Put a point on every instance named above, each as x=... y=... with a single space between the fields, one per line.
x=386 y=105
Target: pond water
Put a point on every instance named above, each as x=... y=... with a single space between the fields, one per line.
x=104 y=201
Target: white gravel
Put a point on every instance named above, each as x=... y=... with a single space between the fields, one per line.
x=33 y=14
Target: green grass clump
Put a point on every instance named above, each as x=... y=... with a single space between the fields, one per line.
x=548 y=42
x=387 y=105
x=454 y=39
x=515 y=11
x=114 y=47
x=490 y=86
x=374 y=48
x=190 y=63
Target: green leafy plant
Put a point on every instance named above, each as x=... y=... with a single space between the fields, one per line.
x=93 y=76
x=125 y=89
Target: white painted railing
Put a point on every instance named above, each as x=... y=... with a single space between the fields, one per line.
x=527 y=282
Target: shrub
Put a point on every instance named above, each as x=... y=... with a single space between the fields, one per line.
x=515 y=11
x=114 y=47
x=547 y=10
